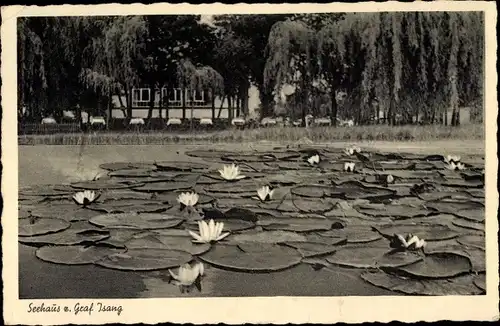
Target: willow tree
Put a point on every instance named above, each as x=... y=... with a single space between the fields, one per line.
x=210 y=79
x=291 y=45
x=193 y=79
x=412 y=63
x=115 y=56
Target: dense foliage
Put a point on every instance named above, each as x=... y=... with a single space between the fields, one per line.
x=405 y=66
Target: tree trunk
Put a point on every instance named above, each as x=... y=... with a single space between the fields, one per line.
x=183 y=103
x=109 y=110
x=129 y=105
x=213 y=104
x=152 y=97
x=221 y=105
x=333 y=109
x=458 y=117
x=122 y=106
x=192 y=109
x=229 y=108
x=244 y=97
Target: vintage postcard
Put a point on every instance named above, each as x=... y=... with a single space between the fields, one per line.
x=295 y=163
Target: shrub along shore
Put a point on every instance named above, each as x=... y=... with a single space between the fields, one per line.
x=285 y=135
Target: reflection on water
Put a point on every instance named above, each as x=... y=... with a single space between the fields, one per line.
x=301 y=280
x=39 y=279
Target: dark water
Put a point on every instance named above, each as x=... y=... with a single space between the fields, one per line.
x=41 y=280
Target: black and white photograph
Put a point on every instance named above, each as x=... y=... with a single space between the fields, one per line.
x=210 y=152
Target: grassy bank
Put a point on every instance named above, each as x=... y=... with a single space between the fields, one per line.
x=285 y=135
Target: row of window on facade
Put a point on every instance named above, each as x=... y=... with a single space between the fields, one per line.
x=141 y=97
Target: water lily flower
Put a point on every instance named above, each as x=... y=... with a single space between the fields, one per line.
x=452 y=158
x=410 y=242
x=351 y=150
x=349 y=166
x=265 y=193
x=313 y=159
x=231 y=172
x=209 y=232
x=188 y=199
x=390 y=178
x=187 y=275
x=455 y=166
x=85 y=198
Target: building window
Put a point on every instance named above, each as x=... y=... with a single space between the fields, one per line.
x=174 y=97
x=198 y=98
x=141 y=97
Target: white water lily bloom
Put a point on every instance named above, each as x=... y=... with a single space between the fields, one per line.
x=265 y=193
x=187 y=275
x=209 y=232
x=313 y=159
x=351 y=150
x=390 y=178
x=455 y=166
x=452 y=158
x=231 y=172
x=411 y=242
x=85 y=197
x=188 y=199
x=349 y=166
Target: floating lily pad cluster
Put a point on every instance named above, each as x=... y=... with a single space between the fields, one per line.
x=281 y=208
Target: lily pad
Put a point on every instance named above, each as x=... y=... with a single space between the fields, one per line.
x=476 y=256
x=475 y=215
x=39 y=226
x=231 y=225
x=428 y=232
x=105 y=184
x=252 y=257
x=114 y=166
x=136 y=221
x=451 y=206
x=123 y=206
x=164 y=186
x=461 y=285
x=466 y=224
x=247 y=158
x=296 y=224
x=145 y=259
x=394 y=211
x=354 y=234
x=237 y=187
x=45 y=190
x=307 y=206
x=240 y=214
x=438 y=265
x=480 y=282
x=183 y=243
x=71 y=236
x=75 y=255
x=313 y=191
x=118 y=237
x=130 y=173
x=265 y=237
x=474 y=241
x=372 y=257
x=180 y=166
x=438 y=195
x=312 y=249
x=356 y=190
